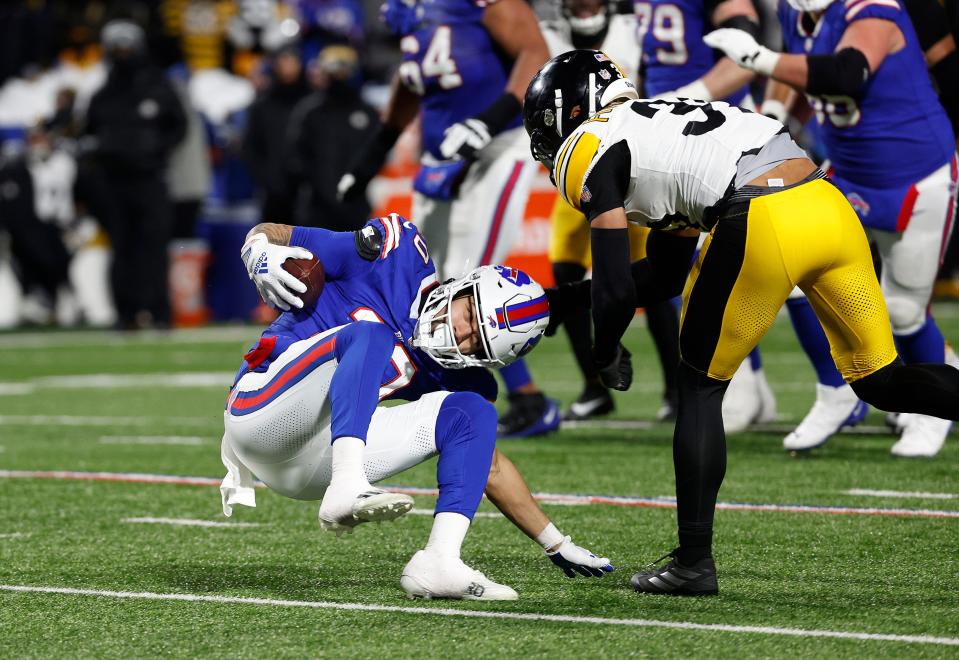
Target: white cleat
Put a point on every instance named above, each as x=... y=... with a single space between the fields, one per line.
x=922 y=437
x=369 y=506
x=432 y=575
x=835 y=408
x=767 y=400
x=741 y=404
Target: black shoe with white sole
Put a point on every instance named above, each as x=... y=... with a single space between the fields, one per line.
x=676 y=579
x=595 y=401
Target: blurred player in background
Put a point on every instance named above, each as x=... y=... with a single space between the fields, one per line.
x=594 y=24
x=893 y=154
x=466 y=65
x=302 y=414
x=677 y=64
x=133 y=123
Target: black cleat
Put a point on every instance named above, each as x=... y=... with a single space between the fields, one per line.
x=675 y=579
x=529 y=415
x=594 y=401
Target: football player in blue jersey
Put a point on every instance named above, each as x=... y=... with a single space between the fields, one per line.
x=302 y=414
x=677 y=64
x=466 y=65
x=893 y=154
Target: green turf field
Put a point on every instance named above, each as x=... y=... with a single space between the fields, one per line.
x=793 y=582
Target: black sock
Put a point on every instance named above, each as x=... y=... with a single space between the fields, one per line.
x=699 y=458
x=663 y=322
x=927 y=389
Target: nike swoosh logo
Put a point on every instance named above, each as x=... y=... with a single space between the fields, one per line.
x=586 y=407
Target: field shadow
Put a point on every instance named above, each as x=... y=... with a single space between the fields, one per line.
x=276 y=580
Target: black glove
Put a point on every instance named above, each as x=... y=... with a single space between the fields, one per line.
x=563 y=300
x=368 y=162
x=618 y=374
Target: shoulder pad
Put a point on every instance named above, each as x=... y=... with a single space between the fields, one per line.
x=369 y=242
x=572 y=163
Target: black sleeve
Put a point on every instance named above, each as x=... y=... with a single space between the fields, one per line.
x=606 y=185
x=743 y=23
x=613 y=292
x=844 y=72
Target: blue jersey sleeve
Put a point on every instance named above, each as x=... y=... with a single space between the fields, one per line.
x=336 y=250
x=889 y=10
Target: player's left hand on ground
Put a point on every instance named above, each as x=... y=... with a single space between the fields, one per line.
x=572 y=559
x=264 y=265
x=463 y=139
x=743 y=49
x=618 y=374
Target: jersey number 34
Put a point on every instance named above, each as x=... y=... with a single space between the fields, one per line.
x=436 y=63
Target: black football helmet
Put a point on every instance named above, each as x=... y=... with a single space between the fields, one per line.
x=570 y=89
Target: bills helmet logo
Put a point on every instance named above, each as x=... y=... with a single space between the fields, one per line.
x=514 y=275
x=859 y=204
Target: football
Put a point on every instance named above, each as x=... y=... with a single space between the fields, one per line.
x=311 y=273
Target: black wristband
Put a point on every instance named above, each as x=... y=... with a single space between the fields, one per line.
x=743 y=23
x=500 y=113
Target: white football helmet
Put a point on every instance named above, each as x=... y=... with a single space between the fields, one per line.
x=511 y=312
x=809 y=5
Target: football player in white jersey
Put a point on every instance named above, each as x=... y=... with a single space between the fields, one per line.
x=594 y=24
x=773 y=223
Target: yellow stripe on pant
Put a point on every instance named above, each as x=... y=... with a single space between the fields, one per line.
x=807 y=236
x=569 y=237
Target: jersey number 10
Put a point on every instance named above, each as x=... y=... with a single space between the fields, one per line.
x=436 y=63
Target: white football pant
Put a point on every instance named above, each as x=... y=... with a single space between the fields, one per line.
x=286 y=443
x=481 y=225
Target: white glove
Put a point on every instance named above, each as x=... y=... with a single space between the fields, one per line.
x=694 y=90
x=775 y=109
x=264 y=265
x=465 y=138
x=742 y=48
x=574 y=559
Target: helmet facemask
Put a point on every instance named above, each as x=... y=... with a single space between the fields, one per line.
x=435 y=335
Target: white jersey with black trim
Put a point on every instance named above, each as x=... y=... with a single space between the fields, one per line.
x=620 y=43
x=683 y=156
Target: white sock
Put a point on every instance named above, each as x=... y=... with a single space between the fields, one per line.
x=348 y=462
x=449 y=530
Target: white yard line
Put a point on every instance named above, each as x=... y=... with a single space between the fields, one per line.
x=483 y=614
x=187 y=522
x=152 y=440
x=546 y=498
x=185 y=379
x=220 y=334
x=919 y=495
x=97 y=420
x=14 y=535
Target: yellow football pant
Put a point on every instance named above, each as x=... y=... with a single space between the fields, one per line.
x=807 y=236
x=569 y=237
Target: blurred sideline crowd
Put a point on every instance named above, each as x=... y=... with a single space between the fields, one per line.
x=140 y=140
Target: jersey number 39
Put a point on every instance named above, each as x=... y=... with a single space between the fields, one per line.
x=436 y=63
